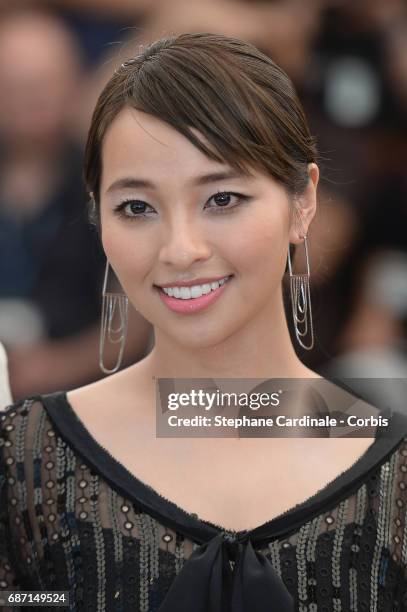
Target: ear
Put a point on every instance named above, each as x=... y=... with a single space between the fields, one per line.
x=305 y=207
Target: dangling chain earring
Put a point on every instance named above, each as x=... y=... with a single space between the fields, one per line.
x=301 y=301
x=109 y=303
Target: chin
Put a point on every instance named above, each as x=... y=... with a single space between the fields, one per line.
x=199 y=339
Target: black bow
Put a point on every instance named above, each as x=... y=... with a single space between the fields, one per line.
x=207 y=583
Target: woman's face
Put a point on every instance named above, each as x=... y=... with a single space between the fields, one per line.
x=163 y=222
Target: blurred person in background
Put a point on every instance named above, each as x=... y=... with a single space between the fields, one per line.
x=99 y=25
x=356 y=97
x=353 y=90
x=5 y=393
x=373 y=344
x=51 y=266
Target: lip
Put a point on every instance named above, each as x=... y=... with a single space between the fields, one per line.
x=197 y=281
x=194 y=304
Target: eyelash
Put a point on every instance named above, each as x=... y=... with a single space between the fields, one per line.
x=119 y=210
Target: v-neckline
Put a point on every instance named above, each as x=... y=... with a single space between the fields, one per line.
x=74 y=432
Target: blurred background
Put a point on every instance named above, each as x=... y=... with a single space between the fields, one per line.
x=348 y=61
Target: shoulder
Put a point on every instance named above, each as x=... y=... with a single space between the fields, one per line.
x=20 y=426
x=391 y=446
x=26 y=437
x=20 y=409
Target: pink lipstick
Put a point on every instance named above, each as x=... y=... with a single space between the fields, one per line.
x=194 y=304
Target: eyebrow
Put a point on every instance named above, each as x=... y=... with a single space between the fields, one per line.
x=133 y=182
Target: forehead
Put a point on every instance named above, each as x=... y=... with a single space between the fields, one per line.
x=139 y=143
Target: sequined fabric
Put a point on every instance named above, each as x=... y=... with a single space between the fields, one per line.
x=65 y=525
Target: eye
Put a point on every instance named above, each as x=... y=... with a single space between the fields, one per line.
x=222 y=200
x=137 y=208
x=133 y=209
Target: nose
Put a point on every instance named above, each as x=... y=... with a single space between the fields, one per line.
x=183 y=244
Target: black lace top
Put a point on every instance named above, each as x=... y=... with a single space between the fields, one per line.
x=72 y=518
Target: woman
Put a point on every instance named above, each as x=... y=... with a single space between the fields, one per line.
x=201 y=169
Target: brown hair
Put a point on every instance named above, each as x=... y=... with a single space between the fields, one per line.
x=235 y=96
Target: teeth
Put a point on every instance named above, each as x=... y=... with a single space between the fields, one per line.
x=186 y=293
x=202 y=290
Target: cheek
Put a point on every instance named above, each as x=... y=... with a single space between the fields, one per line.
x=261 y=249
x=128 y=253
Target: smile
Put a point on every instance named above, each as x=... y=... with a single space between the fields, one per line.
x=191 y=299
x=186 y=293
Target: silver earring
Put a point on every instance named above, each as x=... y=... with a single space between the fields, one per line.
x=301 y=301
x=111 y=301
